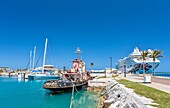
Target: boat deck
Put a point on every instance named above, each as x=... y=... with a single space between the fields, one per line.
x=58 y=84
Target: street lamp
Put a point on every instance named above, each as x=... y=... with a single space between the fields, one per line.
x=124 y=69
x=110 y=64
x=64 y=68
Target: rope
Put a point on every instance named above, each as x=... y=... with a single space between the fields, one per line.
x=50 y=53
x=28 y=64
x=76 y=90
x=72 y=97
x=38 y=59
x=39 y=89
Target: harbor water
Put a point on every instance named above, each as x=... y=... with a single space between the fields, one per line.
x=16 y=93
x=163 y=74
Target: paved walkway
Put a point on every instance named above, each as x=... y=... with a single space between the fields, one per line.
x=159 y=83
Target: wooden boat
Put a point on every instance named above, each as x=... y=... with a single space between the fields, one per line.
x=59 y=86
x=76 y=77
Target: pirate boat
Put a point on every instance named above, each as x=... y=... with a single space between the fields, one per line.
x=76 y=77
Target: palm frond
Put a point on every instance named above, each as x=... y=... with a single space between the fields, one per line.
x=156 y=54
x=159 y=56
x=144 y=54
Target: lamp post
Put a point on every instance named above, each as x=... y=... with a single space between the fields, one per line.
x=124 y=70
x=110 y=64
x=64 y=68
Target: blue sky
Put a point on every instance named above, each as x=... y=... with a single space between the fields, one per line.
x=101 y=28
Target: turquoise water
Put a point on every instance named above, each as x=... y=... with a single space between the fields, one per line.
x=30 y=94
x=163 y=74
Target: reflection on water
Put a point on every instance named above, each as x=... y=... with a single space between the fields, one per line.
x=30 y=94
x=86 y=99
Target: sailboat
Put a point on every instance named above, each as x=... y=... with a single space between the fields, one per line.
x=44 y=72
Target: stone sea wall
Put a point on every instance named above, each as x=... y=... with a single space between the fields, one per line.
x=115 y=95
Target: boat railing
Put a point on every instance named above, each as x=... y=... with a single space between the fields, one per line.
x=54 y=83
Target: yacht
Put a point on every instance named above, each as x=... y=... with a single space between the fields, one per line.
x=49 y=73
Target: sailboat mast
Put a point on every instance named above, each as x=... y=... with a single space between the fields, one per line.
x=30 y=60
x=34 y=57
x=78 y=51
x=45 y=49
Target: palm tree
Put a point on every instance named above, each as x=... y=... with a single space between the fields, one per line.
x=144 y=55
x=155 y=54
